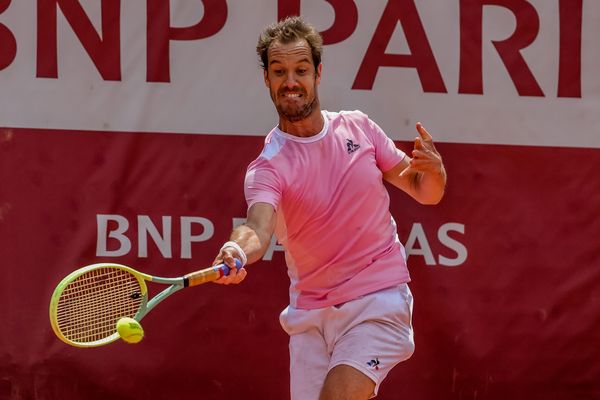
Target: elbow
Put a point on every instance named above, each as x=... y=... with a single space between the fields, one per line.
x=431 y=200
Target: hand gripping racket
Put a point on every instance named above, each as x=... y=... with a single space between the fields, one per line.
x=86 y=304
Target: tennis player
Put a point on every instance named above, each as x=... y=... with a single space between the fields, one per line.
x=318 y=185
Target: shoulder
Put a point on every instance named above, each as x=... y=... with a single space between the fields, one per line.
x=272 y=157
x=354 y=115
x=272 y=147
x=354 y=121
x=351 y=120
x=261 y=173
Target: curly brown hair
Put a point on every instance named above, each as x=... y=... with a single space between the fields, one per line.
x=289 y=30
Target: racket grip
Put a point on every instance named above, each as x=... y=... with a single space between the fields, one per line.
x=208 y=274
x=226 y=269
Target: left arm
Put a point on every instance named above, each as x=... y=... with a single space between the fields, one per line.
x=423 y=176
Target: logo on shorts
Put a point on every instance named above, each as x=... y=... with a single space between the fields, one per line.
x=351 y=147
x=374 y=364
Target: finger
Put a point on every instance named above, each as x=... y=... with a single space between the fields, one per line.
x=235 y=276
x=218 y=261
x=240 y=276
x=229 y=260
x=222 y=281
x=421 y=154
x=426 y=137
x=423 y=132
x=418 y=144
x=426 y=154
x=425 y=165
x=226 y=280
x=226 y=257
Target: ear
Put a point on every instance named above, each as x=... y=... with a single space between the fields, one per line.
x=266 y=77
x=319 y=71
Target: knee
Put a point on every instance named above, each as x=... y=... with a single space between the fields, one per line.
x=346 y=382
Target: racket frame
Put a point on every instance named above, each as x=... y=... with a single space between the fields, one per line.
x=175 y=284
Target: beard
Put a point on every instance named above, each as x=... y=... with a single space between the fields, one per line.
x=295 y=112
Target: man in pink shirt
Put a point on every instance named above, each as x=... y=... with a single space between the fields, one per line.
x=318 y=186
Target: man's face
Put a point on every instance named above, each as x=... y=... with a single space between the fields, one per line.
x=292 y=80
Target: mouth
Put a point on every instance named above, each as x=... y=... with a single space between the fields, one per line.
x=291 y=95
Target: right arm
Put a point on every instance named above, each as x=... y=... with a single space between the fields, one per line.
x=253 y=237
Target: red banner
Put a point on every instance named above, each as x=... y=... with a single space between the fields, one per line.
x=516 y=316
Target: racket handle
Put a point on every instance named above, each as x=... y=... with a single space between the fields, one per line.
x=209 y=274
x=226 y=269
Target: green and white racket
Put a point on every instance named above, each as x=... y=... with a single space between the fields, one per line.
x=86 y=304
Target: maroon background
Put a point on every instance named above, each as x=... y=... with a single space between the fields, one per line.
x=519 y=319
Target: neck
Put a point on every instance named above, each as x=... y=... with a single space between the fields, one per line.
x=309 y=126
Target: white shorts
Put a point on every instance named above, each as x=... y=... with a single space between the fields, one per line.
x=372 y=334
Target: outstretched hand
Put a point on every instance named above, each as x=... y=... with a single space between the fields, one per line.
x=425 y=157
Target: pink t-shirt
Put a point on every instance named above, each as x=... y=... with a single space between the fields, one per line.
x=333 y=217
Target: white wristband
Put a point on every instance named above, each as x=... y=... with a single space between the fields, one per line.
x=237 y=248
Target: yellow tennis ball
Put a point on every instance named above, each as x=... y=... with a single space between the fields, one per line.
x=130 y=330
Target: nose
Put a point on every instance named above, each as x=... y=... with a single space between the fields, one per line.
x=290 y=80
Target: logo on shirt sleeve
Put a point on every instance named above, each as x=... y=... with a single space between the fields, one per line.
x=351 y=146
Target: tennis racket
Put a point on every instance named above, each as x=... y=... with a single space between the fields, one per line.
x=87 y=303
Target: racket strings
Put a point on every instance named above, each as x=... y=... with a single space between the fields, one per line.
x=90 y=306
